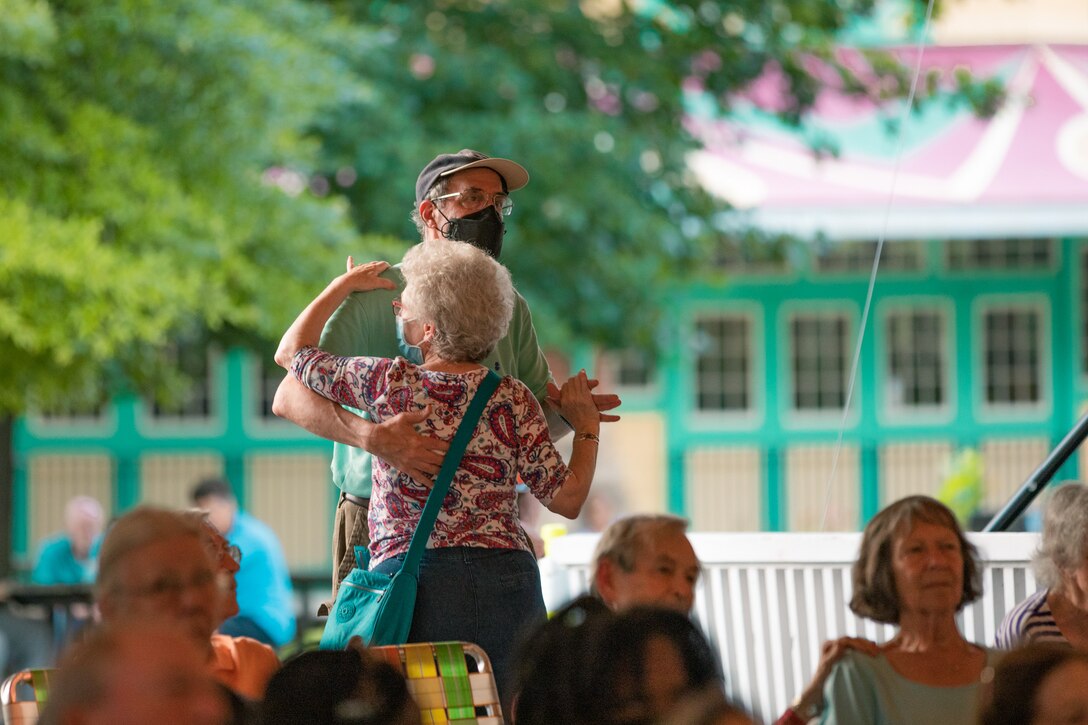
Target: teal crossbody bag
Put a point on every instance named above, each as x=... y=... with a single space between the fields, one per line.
x=379 y=607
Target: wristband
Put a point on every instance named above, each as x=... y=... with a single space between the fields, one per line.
x=588 y=437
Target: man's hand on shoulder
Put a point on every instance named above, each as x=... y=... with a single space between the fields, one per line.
x=397 y=442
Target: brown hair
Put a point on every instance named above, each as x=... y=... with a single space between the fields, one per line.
x=874 y=594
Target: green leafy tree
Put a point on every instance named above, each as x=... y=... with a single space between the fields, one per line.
x=137 y=203
x=137 y=206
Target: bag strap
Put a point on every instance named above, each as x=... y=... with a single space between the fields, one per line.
x=445 y=474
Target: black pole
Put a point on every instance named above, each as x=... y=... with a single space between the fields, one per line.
x=1038 y=480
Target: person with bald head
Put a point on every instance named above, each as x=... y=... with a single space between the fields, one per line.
x=69 y=556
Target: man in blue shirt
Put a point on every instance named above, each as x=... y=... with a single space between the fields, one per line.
x=265 y=598
x=70 y=557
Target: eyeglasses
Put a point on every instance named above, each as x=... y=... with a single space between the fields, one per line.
x=170 y=587
x=478 y=199
x=235 y=553
x=398 y=311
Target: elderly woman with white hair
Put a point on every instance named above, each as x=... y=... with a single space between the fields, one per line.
x=478 y=579
x=1059 y=612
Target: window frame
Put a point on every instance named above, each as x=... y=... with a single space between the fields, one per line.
x=751 y=417
x=1040 y=410
x=831 y=418
x=893 y=414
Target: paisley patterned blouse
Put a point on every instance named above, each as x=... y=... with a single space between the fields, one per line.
x=510 y=441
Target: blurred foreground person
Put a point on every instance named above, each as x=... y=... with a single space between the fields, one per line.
x=265 y=605
x=1040 y=684
x=338 y=687
x=588 y=665
x=138 y=674
x=241 y=663
x=154 y=568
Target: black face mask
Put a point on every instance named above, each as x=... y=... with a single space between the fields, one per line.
x=483 y=229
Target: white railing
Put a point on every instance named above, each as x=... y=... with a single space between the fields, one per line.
x=768 y=601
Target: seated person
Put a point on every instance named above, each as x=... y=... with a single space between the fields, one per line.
x=591 y=665
x=330 y=687
x=1037 y=684
x=916 y=570
x=646 y=559
x=69 y=557
x=154 y=567
x=134 y=675
x=241 y=663
x=266 y=603
x=1058 y=613
x=648 y=660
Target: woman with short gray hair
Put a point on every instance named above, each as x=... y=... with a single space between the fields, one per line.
x=478 y=578
x=1058 y=612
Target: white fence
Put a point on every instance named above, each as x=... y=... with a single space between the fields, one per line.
x=768 y=601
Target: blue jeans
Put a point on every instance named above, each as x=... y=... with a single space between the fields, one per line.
x=490 y=597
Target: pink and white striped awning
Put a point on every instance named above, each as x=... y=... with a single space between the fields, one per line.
x=1023 y=172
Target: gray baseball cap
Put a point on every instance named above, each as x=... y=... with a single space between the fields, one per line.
x=514 y=176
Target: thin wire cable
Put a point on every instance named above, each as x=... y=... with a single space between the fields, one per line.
x=876 y=262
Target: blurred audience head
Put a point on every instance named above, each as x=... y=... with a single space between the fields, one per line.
x=554 y=663
x=591 y=665
x=83 y=522
x=708 y=706
x=154 y=566
x=135 y=675
x=1063 y=547
x=215 y=496
x=648 y=660
x=646 y=559
x=875 y=594
x=338 y=687
x=1039 y=684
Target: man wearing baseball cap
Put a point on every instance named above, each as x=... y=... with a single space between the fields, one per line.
x=462 y=196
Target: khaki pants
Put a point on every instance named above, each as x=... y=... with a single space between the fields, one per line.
x=349 y=530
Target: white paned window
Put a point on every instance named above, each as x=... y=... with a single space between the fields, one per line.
x=1012 y=348
x=724 y=363
x=819 y=360
x=1000 y=254
x=857 y=257
x=916 y=374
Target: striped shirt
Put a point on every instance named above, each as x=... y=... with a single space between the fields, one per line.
x=1030 y=621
